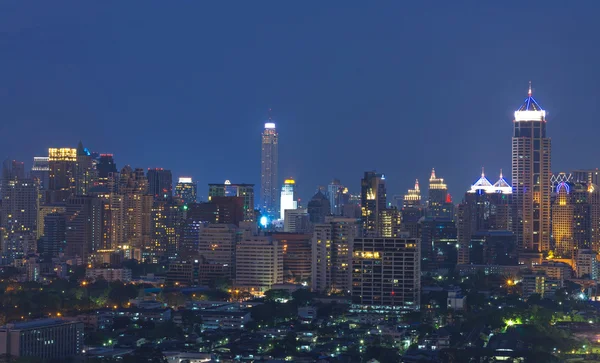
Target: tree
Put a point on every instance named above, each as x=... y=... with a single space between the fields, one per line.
x=192 y=321
x=277 y=294
x=302 y=297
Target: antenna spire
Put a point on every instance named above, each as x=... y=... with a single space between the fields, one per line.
x=482 y=173
x=272 y=109
x=500 y=173
x=529 y=93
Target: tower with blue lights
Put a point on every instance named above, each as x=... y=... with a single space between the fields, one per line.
x=269 y=187
x=531 y=173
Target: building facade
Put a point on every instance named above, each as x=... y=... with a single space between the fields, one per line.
x=227 y=189
x=373 y=197
x=259 y=263
x=269 y=182
x=186 y=190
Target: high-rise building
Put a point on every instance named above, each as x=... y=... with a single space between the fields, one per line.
x=386 y=275
x=137 y=206
x=439 y=243
x=113 y=217
x=43 y=211
x=269 y=182
x=217 y=244
x=318 y=208
x=413 y=197
x=62 y=163
x=331 y=253
x=485 y=207
x=186 y=190
x=562 y=221
x=167 y=224
x=291 y=219
x=13 y=169
x=54 y=241
x=108 y=175
x=160 y=183
x=288 y=197
x=228 y=189
x=412 y=211
x=531 y=172
x=586 y=176
x=389 y=223
x=338 y=196
x=439 y=201
x=85 y=172
x=40 y=171
x=258 y=263
x=83 y=228
x=18 y=215
x=372 y=200
x=297 y=256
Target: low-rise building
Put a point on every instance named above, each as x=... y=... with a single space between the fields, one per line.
x=456 y=300
x=109 y=274
x=47 y=339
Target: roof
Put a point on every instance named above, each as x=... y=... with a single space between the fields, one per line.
x=36 y=324
x=530 y=104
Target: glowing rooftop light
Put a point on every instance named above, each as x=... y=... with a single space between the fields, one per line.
x=185 y=179
x=269 y=125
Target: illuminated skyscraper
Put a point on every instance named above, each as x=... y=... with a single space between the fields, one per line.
x=288 y=197
x=186 y=190
x=372 y=200
x=338 y=196
x=413 y=197
x=133 y=186
x=531 y=172
x=562 y=221
x=62 y=163
x=269 y=186
x=412 y=211
x=440 y=203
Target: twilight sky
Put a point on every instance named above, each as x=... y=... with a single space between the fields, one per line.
x=395 y=86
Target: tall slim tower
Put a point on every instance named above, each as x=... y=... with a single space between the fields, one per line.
x=531 y=177
x=269 y=189
x=373 y=198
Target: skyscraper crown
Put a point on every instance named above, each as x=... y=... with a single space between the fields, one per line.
x=530 y=110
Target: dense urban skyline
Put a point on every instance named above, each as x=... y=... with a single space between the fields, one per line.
x=335 y=71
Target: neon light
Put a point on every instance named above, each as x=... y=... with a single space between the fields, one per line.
x=563 y=185
x=269 y=125
x=185 y=179
x=264 y=221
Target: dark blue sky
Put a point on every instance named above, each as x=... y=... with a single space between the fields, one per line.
x=395 y=86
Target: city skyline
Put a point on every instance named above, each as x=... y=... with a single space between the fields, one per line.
x=467 y=92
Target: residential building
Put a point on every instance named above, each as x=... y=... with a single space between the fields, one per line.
x=109 y=274
x=259 y=263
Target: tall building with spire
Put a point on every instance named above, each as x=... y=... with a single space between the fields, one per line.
x=373 y=197
x=412 y=211
x=413 y=197
x=440 y=202
x=269 y=188
x=531 y=173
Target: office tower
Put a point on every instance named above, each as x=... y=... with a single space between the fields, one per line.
x=269 y=182
x=258 y=263
x=587 y=177
x=40 y=171
x=372 y=200
x=54 y=241
x=137 y=205
x=439 y=243
x=338 y=196
x=167 y=223
x=83 y=228
x=485 y=207
x=108 y=175
x=85 y=172
x=18 y=214
x=440 y=202
x=113 y=217
x=13 y=169
x=491 y=247
x=582 y=201
x=288 y=197
x=531 y=171
x=160 y=183
x=43 y=211
x=61 y=179
x=297 y=256
x=331 y=254
x=318 y=208
x=386 y=275
x=412 y=211
x=291 y=219
x=186 y=190
x=228 y=189
x=217 y=245
x=389 y=223
x=44 y=339
x=562 y=222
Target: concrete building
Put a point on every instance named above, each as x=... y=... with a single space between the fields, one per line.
x=40 y=171
x=259 y=263
x=389 y=223
x=217 y=245
x=291 y=219
x=186 y=190
x=318 y=208
x=18 y=216
x=386 y=275
x=160 y=183
x=83 y=227
x=332 y=253
x=586 y=264
x=373 y=197
x=45 y=339
x=288 y=197
x=297 y=256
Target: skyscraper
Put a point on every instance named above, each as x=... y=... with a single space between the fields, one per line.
x=137 y=205
x=228 y=189
x=318 y=208
x=288 y=197
x=41 y=171
x=269 y=186
x=160 y=183
x=372 y=200
x=531 y=172
x=186 y=190
x=563 y=221
x=338 y=196
x=85 y=173
x=412 y=211
x=440 y=203
x=108 y=174
x=61 y=185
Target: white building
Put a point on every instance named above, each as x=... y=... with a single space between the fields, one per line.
x=259 y=263
x=586 y=264
x=288 y=197
x=109 y=274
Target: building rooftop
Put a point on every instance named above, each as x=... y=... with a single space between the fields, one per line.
x=40 y=323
